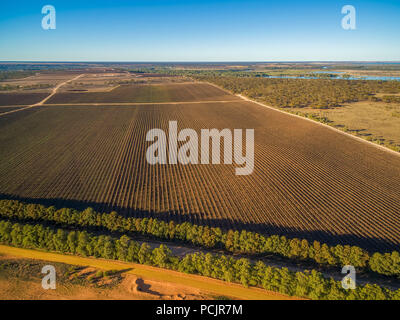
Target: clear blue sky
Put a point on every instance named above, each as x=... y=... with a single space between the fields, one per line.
x=185 y=30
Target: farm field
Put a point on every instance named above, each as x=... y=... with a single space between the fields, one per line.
x=183 y=92
x=14 y=99
x=38 y=83
x=309 y=181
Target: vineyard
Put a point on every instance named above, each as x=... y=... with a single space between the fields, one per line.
x=309 y=181
x=11 y=99
x=147 y=93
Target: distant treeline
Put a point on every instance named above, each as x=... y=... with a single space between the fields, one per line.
x=9 y=75
x=240 y=73
x=301 y=93
x=241 y=242
x=9 y=87
x=322 y=93
x=370 y=67
x=309 y=284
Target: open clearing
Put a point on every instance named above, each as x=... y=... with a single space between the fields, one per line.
x=309 y=181
x=378 y=120
x=21 y=278
x=169 y=282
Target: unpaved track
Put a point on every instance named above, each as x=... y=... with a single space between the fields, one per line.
x=40 y=103
x=205 y=284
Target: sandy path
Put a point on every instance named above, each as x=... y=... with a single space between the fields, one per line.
x=206 y=285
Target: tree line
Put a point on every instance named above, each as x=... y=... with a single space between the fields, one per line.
x=301 y=93
x=321 y=93
x=9 y=87
x=240 y=242
x=10 y=75
x=308 y=284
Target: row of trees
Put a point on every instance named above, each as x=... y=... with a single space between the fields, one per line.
x=9 y=87
x=12 y=74
x=303 y=284
x=242 y=242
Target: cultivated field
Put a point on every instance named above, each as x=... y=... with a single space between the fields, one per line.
x=15 y=99
x=183 y=92
x=309 y=181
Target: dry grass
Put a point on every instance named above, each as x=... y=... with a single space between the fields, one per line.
x=372 y=73
x=168 y=284
x=20 y=279
x=372 y=120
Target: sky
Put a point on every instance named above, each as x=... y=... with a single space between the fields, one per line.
x=185 y=30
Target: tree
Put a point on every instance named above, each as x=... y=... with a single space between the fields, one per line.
x=122 y=247
x=144 y=254
x=83 y=242
x=161 y=256
x=108 y=248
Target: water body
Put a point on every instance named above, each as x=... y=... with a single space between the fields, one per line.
x=328 y=72
x=338 y=76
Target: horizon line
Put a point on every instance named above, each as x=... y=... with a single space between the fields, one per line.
x=200 y=61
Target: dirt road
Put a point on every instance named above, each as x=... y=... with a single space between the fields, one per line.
x=205 y=284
